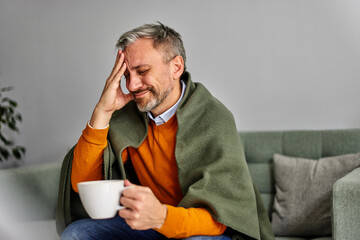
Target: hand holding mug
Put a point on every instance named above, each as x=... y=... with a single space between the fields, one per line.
x=143 y=210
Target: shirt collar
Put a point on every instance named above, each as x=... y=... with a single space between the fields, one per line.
x=164 y=117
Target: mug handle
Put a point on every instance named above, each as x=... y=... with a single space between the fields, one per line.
x=120 y=207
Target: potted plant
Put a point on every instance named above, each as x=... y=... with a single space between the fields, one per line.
x=9 y=118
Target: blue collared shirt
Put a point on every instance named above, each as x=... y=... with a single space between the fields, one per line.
x=164 y=117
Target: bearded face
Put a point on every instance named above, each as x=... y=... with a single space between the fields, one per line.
x=149 y=78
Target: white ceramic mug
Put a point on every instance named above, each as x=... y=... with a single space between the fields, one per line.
x=101 y=199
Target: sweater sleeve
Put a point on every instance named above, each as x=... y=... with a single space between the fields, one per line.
x=185 y=222
x=88 y=156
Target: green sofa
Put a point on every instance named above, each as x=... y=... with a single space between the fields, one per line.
x=29 y=194
x=259 y=148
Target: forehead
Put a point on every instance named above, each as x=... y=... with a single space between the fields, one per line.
x=142 y=52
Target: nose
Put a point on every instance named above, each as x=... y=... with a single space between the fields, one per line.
x=133 y=83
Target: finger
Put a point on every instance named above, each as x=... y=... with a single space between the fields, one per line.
x=116 y=60
x=136 y=192
x=121 y=71
x=118 y=63
x=129 y=203
x=116 y=78
x=126 y=213
x=117 y=57
x=127 y=183
x=131 y=192
x=135 y=224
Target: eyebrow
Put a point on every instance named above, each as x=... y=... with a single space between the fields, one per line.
x=141 y=65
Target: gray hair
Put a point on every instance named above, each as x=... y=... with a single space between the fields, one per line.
x=164 y=37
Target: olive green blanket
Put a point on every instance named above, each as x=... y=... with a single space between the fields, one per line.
x=211 y=165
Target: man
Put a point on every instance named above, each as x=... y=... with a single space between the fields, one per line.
x=171 y=137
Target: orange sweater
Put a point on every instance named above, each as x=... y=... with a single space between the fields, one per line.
x=155 y=165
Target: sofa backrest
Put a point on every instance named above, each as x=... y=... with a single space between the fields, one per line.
x=29 y=193
x=259 y=148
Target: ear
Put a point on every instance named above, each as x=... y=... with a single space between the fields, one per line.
x=177 y=67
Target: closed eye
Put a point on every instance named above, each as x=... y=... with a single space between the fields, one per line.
x=143 y=72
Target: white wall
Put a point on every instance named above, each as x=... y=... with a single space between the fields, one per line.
x=277 y=65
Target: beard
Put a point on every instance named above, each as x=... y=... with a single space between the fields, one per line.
x=156 y=98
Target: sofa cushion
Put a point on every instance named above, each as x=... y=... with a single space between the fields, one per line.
x=30 y=230
x=303 y=193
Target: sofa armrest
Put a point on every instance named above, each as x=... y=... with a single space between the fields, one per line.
x=346 y=207
x=29 y=193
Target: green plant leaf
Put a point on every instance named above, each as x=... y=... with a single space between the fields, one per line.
x=18 y=117
x=6 y=99
x=11 y=102
x=12 y=126
x=22 y=149
x=4 y=153
x=6 y=89
x=16 y=153
x=5 y=140
x=9 y=118
x=11 y=110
